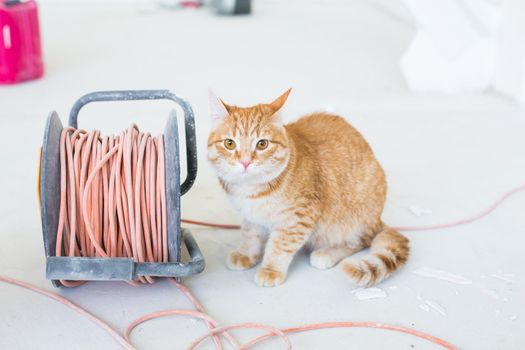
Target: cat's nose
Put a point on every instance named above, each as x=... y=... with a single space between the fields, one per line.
x=245 y=163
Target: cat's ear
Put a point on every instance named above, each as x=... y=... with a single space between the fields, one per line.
x=218 y=109
x=278 y=103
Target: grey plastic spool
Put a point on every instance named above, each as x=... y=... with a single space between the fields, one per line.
x=81 y=268
x=232 y=7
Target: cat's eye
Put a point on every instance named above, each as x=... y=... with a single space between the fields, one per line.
x=262 y=144
x=229 y=144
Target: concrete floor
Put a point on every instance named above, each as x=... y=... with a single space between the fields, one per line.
x=452 y=155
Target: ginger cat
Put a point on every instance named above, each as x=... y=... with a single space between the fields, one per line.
x=313 y=183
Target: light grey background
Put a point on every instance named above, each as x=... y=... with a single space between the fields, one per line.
x=451 y=154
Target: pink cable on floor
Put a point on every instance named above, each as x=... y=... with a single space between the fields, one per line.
x=377 y=325
x=114 y=334
x=126 y=344
x=113 y=205
x=468 y=220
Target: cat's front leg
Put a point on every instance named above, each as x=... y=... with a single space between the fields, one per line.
x=250 y=249
x=282 y=246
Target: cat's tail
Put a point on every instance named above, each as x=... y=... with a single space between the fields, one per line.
x=389 y=251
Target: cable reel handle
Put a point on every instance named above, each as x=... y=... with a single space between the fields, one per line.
x=134 y=95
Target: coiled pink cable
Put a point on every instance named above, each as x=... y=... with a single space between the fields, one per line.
x=113 y=201
x=113 y=204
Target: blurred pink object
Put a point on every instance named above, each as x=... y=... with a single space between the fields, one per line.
x=20 y=50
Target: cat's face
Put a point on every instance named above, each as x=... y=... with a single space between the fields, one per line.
x=247 y=145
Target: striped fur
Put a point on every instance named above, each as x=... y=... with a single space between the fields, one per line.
x=388 y=252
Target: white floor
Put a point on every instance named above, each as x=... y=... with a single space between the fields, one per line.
x=452 y=155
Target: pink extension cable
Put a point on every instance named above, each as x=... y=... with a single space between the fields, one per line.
x=113 y=205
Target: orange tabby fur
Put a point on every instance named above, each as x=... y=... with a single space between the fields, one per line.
x=317 y=184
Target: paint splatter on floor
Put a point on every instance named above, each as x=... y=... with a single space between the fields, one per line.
x=504 y=277
x=442 y=275
x=369 y=293
x=494 y=294
x=434 y=305
x=418 y=211
x=424 y=307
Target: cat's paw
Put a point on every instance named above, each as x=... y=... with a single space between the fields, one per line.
x=322 y=259
x=238 y=261
x=266 y=277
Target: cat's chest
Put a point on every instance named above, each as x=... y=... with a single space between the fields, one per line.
x=264 y=211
